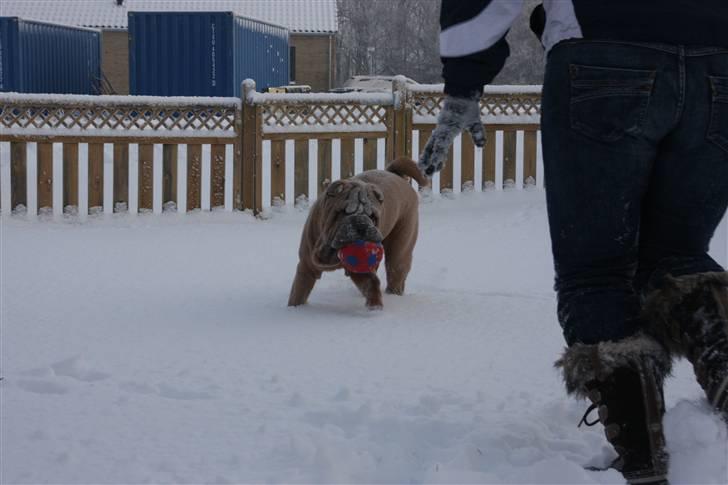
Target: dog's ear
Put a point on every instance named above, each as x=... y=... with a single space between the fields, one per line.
x=334 y=189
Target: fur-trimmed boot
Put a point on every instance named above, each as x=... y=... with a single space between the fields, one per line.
x=689 y=314
x=623 y=380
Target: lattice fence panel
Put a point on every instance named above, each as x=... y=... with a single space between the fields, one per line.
x=130 y=118
x=322 y=115
x=429 y=104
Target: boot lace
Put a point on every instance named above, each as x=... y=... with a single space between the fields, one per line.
x=584 y=419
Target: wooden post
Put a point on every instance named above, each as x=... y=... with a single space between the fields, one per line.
x=238 y=163
x=278 y=170
x=301 y=169
x=324 y=164
x=402 y=118
x=217 y=176
x=509 y=155
x=529 y=155
x=489 y=156
x=146 y=177
x=467 y=161
x=18 y=178
x=194 y=176
x=169 y=174
x=252 y=150
x=121 y=176
x=45 y=176
x=70 y=174
x=446 y=175
x=389 y=149
x=347 y=158
x=95 y=176
x=370 y=153
x=425 y=135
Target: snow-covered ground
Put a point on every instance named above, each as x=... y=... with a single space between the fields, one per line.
x=158 y=349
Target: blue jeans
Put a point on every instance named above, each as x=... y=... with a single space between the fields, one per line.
x=635 y=144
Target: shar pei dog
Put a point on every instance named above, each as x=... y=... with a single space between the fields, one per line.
x=377 y=206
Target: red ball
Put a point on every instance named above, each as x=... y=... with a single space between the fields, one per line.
x=361 y=256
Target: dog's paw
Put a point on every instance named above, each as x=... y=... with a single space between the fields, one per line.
x=375 y=307
x=394 y=291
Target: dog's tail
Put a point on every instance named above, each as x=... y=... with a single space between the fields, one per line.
x=404 y=167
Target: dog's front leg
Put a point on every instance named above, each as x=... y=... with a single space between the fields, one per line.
x=368 y=284
x=302 y=285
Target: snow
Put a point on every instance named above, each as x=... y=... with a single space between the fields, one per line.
x=116 y=100
x=158 y=349
x=489 y=89
x=64 y=26
x=142 y=133
x=68 y=12
x=300 y=16
x=385 y=99
x=505 y=119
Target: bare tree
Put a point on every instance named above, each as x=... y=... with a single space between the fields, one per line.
x=525 y=64
x=388 y=37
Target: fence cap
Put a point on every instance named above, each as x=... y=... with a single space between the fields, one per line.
x=380 y=99
x=489 y=89
x=117 y=100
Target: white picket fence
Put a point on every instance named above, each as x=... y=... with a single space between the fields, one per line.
x=109 y=206
x=458 y=184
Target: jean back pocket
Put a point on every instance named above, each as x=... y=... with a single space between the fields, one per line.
x=608 y=103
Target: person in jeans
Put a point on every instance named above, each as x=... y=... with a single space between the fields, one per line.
x=635 y=145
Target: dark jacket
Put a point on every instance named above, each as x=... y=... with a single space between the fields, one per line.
x=473 y=46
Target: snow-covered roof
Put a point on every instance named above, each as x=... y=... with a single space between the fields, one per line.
x=299 y=16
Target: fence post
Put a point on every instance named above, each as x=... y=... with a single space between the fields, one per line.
x=251 y=147
x=402 y=143
x=238 y=157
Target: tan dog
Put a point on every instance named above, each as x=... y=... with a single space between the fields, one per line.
x=377 y=206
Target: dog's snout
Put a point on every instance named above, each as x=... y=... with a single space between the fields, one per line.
x=356 y=228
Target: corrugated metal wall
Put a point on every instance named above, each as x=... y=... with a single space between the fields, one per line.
x=37 y=57
x=9 y=55
x=203 y=53
x=265 y=54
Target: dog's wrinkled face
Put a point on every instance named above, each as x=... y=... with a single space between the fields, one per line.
x=350 y=211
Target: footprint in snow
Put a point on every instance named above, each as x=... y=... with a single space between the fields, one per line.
x=137 y=388
x=165 y=390
x=42 y=387
x=174 y=393
x=79 y=369
x=41 y=380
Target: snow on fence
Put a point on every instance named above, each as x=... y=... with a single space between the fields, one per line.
x=90 y=154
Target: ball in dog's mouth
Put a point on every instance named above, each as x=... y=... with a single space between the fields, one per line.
x=361 y=256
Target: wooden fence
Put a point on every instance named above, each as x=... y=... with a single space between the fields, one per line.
x=90 y=154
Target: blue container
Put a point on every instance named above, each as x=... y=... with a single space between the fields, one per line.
x=38 y=57
x=203 y=53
